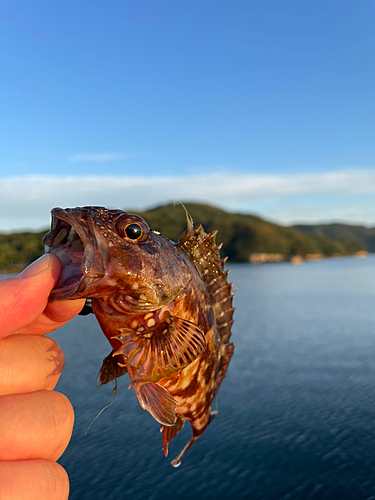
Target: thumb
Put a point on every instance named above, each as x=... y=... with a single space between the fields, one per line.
x=24 y=298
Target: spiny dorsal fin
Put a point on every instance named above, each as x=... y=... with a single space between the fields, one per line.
x=189 y=220
x=205 y=254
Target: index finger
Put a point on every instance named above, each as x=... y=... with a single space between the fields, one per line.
x=55 y=314
x=24 y=302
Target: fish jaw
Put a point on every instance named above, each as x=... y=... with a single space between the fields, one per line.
x=73 y=244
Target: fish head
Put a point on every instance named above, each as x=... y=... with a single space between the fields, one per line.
x=111 y=253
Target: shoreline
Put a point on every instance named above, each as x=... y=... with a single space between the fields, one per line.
x=256 y=259
x=274 y=258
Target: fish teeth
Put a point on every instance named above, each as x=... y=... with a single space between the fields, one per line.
x=72 y=235
x=60 y=236
x=54 y=222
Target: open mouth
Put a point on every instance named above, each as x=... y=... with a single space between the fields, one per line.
x=69 y=242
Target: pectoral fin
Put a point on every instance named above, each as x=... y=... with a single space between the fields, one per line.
x=173 y=350
x=174 y=345
x=157 y=401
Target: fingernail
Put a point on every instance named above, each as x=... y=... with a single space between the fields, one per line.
x=36 y=267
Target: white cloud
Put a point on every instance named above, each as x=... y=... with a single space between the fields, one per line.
x=26 y=201
x=101 y=157
x=356 y=213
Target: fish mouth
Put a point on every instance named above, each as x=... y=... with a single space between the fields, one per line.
x=71 y=243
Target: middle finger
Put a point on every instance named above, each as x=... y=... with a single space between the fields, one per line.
x=29 y=363
x=35 y=425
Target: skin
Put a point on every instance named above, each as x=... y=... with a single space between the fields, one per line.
x=35 y=421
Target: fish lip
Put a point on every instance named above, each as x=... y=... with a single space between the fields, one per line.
x=61 y=220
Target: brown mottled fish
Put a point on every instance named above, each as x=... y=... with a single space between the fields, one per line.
x=165 y=308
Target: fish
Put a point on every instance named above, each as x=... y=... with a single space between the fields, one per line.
x=165 y=308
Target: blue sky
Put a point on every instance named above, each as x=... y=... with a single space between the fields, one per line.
x=246 y=105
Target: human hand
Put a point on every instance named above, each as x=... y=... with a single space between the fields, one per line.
x=35 y=421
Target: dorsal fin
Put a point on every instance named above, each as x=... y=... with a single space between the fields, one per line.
x=205 y=255
x=189 y=221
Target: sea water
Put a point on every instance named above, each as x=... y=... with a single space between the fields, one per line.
x=296 y=411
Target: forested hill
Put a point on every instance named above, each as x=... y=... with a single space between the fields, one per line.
x=362 y=234
x=242 y=236
x=17 y=250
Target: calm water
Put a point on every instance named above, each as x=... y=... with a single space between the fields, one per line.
x=296 y=412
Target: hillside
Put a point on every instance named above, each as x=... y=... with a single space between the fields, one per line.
x=242 y=235
x=17 y=250
x=362 y=234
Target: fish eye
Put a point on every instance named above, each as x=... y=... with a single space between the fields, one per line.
x=133 y=231
x=132 y=227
